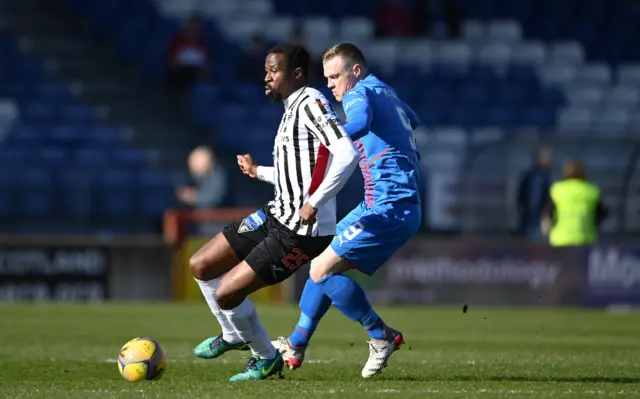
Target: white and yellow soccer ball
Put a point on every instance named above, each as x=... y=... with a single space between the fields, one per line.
x=141 y=359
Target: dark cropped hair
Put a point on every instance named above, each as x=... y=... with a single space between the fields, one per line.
x=296 y=57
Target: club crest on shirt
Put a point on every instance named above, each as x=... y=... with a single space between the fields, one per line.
x=245 y=227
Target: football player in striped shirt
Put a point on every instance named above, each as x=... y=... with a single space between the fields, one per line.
x=271 y=244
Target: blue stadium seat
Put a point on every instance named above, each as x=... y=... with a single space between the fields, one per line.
x=102 y=15
x=36 y=193
x=21 y=90
x=474 y=94
x=92 y=157
x=156 y=193
x=104 y=136
x=73 y=193
x=53 y=92
x=511 y=94
x=551 y=96
x=430 y=114
x=230 y=136
x=13 y=158
x=502 y=116
x=260 y=136
x=26 y=136
x=231 y=114
x=52 y=157
x=465 y=116
x=115 y=194
x=40 y=114
x=80 y=115
x=247 y=94
x=440 y=95
x=129 y=36
x=152 y=61
x=132 y=158
x=521 y=73
x=23 y=69
x=8 y=48
x=269 y=115
x=8 y=180
x=482 y=73
x=539 y=116
x=204 y=98
x=66 y=135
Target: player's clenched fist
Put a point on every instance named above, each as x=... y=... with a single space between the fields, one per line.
x=247 y=166
x=308 y=214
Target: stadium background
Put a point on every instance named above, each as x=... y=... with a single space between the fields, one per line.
x=93 y=144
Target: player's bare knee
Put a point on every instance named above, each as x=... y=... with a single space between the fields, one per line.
x=198 y=266
x=322 y=267
x=212 y=260
x=317 y=274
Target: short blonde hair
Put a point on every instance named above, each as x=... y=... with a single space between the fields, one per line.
x=350 y=52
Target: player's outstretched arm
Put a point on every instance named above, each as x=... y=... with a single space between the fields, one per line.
x=359 y=114
x=249 y=168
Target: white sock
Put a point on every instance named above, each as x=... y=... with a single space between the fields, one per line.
x=249 y=328
x=208 y=289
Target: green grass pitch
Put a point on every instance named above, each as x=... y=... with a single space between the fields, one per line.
x=69 y=351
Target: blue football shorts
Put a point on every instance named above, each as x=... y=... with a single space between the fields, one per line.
x=368 y=237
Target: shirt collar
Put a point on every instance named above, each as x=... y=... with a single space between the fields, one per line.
x=293 y=97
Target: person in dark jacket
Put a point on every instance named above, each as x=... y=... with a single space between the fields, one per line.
x=533 y=192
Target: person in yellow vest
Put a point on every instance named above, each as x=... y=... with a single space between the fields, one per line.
x=575 y=209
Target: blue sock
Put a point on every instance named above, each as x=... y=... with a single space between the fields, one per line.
x=349 y=298
x=314 y=304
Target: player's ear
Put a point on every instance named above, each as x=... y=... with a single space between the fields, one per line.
x=297 y=73
x=357 y=70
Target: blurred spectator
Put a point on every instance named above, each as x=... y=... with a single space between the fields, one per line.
x=574 y=209
x=533 y=193
x=252 y=66
x=210 y=180
x=188 y=56
x=396 y=18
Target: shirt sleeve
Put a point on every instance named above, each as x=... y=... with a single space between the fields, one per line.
x=343 y=163
x=323 y=122
x=359 y=113
x=267 y=173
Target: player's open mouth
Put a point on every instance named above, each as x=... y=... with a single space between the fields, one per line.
x=267 y=90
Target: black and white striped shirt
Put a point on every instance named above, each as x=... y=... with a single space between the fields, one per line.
x=302 y=155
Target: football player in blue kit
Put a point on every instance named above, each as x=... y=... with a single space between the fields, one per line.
x=381 y=125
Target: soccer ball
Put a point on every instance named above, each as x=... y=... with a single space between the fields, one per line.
x=141 y=359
